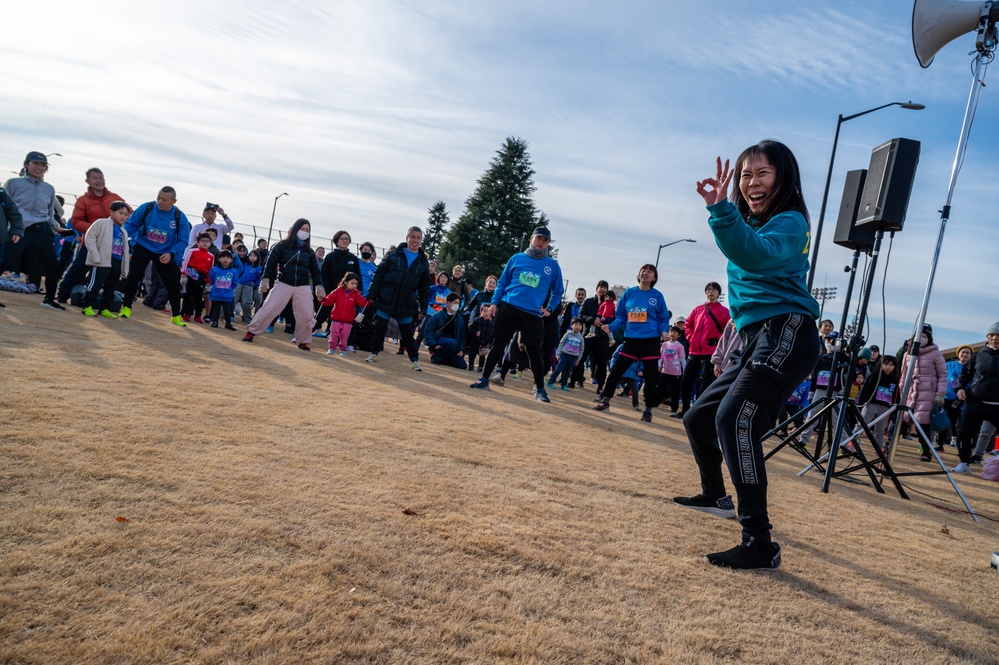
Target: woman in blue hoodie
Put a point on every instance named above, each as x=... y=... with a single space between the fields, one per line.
x=763 y=231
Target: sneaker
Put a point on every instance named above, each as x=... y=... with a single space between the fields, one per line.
x=722 y=507
x=593 y=382
x=270 y=329
x=400 y=351
x=481 y=384
x=602 y=404
x=518 y=375
x=305 y=347
x=215 y=324
x=51 y=304
x=198 y=319
x=953 y=441
x=566 y=389
x=320 y=333
x=939 y=448
x=331 y=352
x=416 y=366
x=676 y=415
x=647 y=416
x=343 y=354
x=108 y=314
x=248 y=337
x=748 y=556
x=178 y=321
x=498 y=380
x=963 y=467
x=88 y=311
x=186 y=318
x=550 y=385
x=126 y=312
x=636 y=407
x=924 y=458
x=229 y=326
x=350 y=349
x=541 y=395
x=976 y=459
x=372 y=358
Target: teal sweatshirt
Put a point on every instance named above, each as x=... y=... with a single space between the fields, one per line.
x=767 y=264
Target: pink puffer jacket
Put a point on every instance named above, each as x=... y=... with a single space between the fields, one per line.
x=929 y=379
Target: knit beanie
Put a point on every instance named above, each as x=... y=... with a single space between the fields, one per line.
x=962 y=347
x=993 y=329
x=865 y=354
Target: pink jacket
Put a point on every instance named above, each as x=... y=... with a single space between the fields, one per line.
x=929 y=378
x=700 y=328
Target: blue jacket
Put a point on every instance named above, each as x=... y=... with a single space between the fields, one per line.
x=954 y=368
x=432 y=333
x=641 y=314
x=366 y=271
x=526 y=284
x=633 y=369
x=250 y=276
x=159 y=232
x=767 y=264
x=223 y=282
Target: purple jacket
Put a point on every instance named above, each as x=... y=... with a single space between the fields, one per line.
x=929 y=379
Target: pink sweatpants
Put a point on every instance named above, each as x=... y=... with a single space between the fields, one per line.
x=301 y=301
x=339 y=333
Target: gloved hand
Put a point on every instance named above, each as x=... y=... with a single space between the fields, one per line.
x=939 y=399
x=265 y=285
x=320 y=292
x=183 y=280
x=359 y=318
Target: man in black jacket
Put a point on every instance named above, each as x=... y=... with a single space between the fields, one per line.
x=979 y=386
x=400 y=289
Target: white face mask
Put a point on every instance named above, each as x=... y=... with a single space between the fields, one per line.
x=303 y=235
x=452 y=308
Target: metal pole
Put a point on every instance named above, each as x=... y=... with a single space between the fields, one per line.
x=667 y=245
x=273 y=210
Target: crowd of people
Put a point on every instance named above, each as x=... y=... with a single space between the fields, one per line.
x=729 y=372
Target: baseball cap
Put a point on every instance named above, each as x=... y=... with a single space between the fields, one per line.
x=543 y=232
x=35 y=156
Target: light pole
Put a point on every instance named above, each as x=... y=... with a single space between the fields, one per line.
x=667 y=245
x=822 y=295
x=53 y=153
x=817 y=236
x=273 y=210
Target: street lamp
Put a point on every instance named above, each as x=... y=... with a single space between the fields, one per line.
x=273 y=210
x=53 y=153
x=822 y=295
x=667 y=245
x=817 y=236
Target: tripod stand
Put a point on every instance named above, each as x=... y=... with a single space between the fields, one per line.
x=838 y=408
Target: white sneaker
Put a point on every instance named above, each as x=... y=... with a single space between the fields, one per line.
x=372 y=358
x=416 y=366
x=963 y=467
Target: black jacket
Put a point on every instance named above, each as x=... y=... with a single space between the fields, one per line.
x=10 y=217
x=338 y=263
x=398 y=289
x=297 y=265
x=980 y=377
x=567 y=317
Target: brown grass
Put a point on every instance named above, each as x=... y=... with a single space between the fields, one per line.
x=288 y=507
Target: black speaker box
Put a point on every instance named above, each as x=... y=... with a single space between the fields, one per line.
x=847 y=233
x=889 y=183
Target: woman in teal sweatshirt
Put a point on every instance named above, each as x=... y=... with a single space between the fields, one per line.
x=764 y=233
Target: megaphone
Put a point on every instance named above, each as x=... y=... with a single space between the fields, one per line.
x=937 y=22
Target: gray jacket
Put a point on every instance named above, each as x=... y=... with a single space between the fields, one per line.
x=10 y=218
x=35 y=200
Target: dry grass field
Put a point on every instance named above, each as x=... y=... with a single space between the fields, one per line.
x=283 y=507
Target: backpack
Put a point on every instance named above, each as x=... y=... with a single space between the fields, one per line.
x=176 y=220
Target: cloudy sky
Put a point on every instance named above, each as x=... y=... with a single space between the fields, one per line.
x=367 y=112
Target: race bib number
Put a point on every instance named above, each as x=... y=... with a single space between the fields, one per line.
x=530 y=279
x=883 y=395
x=156 y=236
x=823 y=379
x=638 y=315
x=117 y=247
x=192 y=273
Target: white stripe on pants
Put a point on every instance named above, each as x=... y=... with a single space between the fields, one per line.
x=301 y=299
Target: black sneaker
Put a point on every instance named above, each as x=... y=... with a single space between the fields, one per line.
x=647 y=416
x=722 y=507
x=602 y=404
x=676 y=415
x=51 y=304
x=481 y=384
x=748 y=557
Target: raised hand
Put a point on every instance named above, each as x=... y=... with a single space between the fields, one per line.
x=719 y=184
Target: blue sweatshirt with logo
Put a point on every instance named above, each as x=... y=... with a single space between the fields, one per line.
x=641 y=314
x=223 y=281
x=767 y=263
x=159 y=233
x=526 y=283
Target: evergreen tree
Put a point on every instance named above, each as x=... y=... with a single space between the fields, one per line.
x=499 y=215
x=437 y=222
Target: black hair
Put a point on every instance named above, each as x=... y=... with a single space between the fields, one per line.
x=210 y=231
x=340 y=234
x=203 y=235
x=576 y=319
x=169 y=190
x=445 y=274
x=678 y=329
x=93 y=169
x=713 y=285
x=224 y=253
x=346 y=278
x=451 y=297
x=291 y=239
x=877 y=369
x=786 y=194
x=367 y=244
x=254 y=252
x=118 y=205
x=261 y=240
x=655 y=271
x=603 y=283
x=61 y=199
